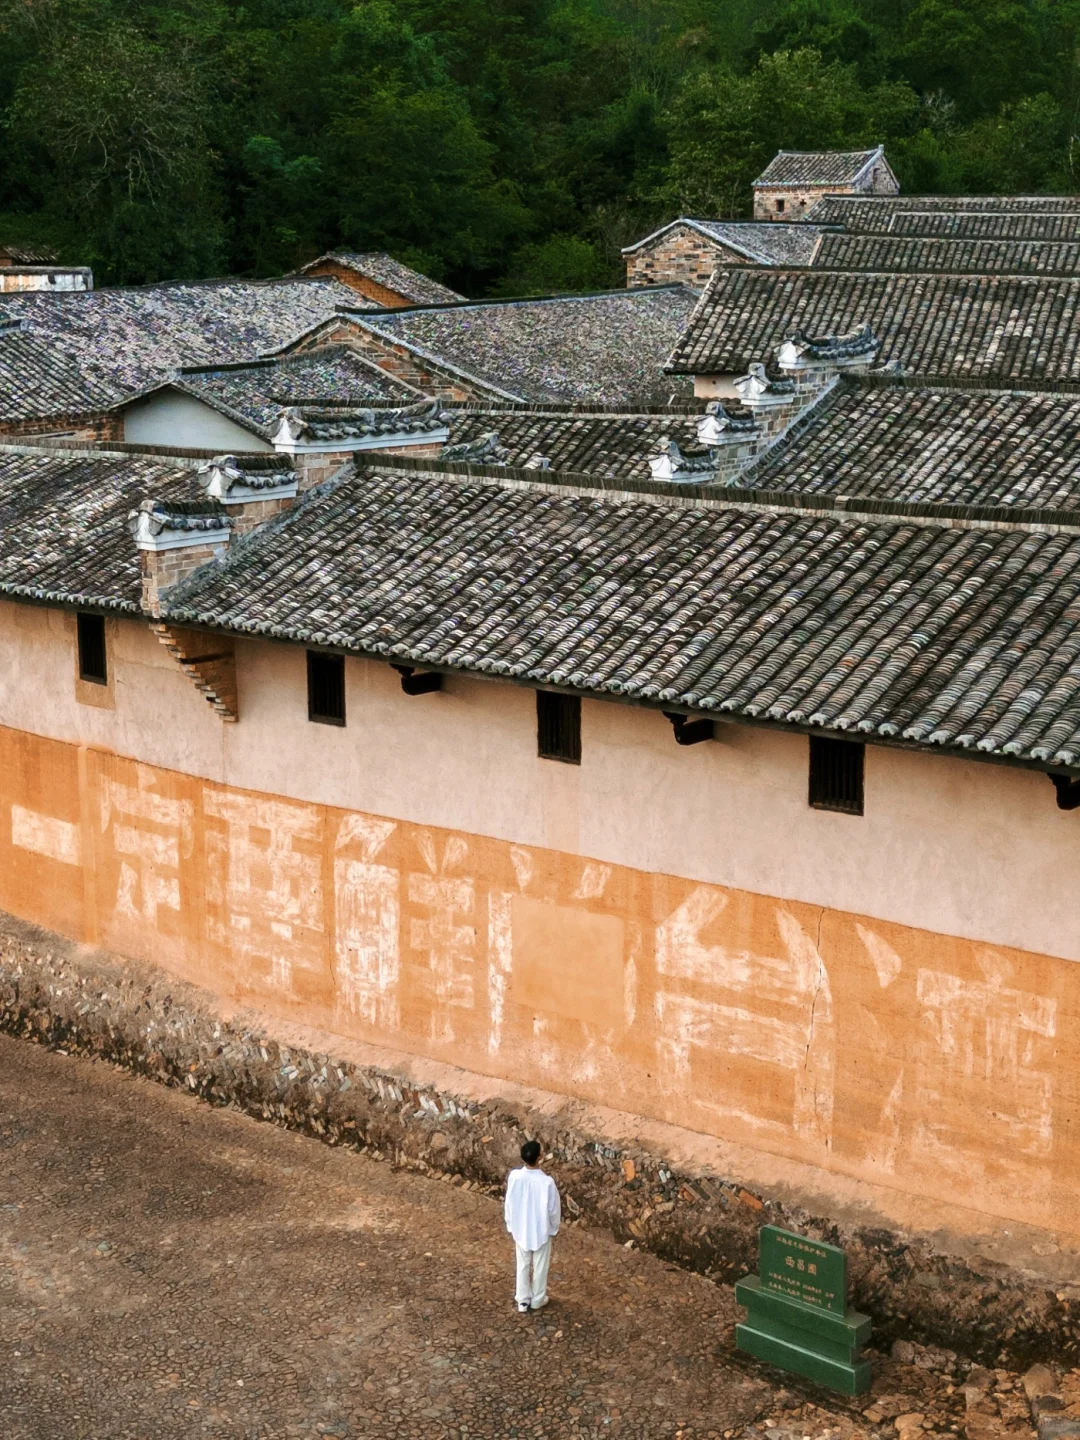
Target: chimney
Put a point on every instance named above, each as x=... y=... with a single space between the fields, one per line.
x=174 y=538
x=486 y=449
x=825 y=354
x=720 y=426
x=680 y=467
x=320 y=440
x=758 y=391
x=251 y=490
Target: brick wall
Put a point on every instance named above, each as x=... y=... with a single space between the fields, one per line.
x=798 y=199
x=400 y=361
x=161 y=568
x=369 y=289
x=252 y=513
x=102 y=425
x=681 y=257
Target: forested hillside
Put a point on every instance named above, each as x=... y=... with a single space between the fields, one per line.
x=504 y=146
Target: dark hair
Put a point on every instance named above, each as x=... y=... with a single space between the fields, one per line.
x=531 y=1152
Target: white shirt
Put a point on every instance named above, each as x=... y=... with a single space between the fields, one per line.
x=532 y=1207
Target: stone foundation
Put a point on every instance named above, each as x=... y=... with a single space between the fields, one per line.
x=60 y=995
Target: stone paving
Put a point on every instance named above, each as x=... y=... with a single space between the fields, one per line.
x=171 y=1270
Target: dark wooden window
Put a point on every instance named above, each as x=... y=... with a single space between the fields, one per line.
x=325 y=688
x=779 y=207
x=93 y=664
x=558 y=727
x=836 y=775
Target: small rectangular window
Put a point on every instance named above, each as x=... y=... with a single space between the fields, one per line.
x=325 y=688
x=93 y=664
x=558 y=727
x=836 y=775
x=779 y=207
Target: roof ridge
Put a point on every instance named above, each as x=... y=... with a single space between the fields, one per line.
x=626 y=489
x=493 y=300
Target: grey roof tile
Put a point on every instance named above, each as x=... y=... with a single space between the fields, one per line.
x=318 y=425
x=38 y=381
x=600 y=349
x=906 y=442
x=923 y=253
x=127 y=339
x=608 y=444
x=29 y=254
x=991 y=328
x=391 y=274
x=63 y=524
x=759 y=240
x=881 y=626
x=256 y=393
x=817 y=167
x=961 y=217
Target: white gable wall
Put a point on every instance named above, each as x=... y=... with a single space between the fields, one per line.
x=169 y=417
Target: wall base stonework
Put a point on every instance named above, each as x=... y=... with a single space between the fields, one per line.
x=931 y=1286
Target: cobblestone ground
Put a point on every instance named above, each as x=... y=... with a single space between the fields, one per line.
x=172 y=1270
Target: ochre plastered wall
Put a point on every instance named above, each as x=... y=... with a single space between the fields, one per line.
x=971 y=850
x=934 y=1065
x=670 y=931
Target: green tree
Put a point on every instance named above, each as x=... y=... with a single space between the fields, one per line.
x=120 y=121
x=982 y=53
x=1025 y=147
x=724 y=128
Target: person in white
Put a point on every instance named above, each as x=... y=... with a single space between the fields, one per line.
x=533 y=1214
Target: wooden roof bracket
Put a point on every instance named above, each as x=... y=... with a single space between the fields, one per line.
x=1068 y=791
x=690 y=732
x=211 y=668
x=418 y=682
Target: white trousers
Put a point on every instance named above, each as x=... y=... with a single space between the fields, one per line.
x=532 y=1273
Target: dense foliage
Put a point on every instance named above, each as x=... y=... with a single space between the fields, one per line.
x=506 y=146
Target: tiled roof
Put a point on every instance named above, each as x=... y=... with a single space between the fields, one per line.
x=29 y=254
x=36 y=380
x=952 y=635
x=992 y=328
x=758 y=240
x=595 y=443
x=255 y=394
x=313 y=425
x=63 y=524
x=600 y=349
x=128 y=338
x=1013 y=226
x=391 y=274
x=951 y=217
x=906 y=442
x=815 y=167
x=972 y=257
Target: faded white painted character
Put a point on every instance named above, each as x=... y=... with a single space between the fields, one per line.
x=367 y=916
x=984 y=1091
x=775 y=1010
x=264 y=885
x=45 y=835
x=151 y=834
x=446 y=935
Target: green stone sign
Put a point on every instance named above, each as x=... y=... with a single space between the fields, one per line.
x=797 y=1315
x=803 y=1269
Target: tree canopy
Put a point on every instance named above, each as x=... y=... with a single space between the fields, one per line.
x=503 y=146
